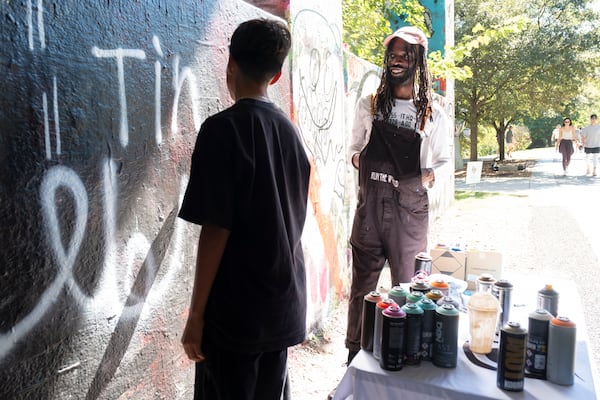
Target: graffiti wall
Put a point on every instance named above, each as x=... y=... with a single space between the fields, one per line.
x=100 y=103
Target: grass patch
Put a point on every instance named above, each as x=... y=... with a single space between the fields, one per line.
x=464 y=195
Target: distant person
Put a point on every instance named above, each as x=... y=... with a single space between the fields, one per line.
x=510 y=142
x=248 y=189
x=567 y=140
x=554 y=137
x=590 y=136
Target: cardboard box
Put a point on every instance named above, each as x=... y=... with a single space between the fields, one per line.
x=448 y=261
x=483 y=262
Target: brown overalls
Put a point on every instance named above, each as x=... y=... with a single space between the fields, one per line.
x=391 y=218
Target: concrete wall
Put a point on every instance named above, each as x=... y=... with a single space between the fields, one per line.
x=100 y=103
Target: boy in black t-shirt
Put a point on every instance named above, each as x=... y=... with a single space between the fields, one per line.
x=248 y=189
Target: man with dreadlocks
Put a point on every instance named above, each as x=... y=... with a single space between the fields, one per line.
x=400 y=146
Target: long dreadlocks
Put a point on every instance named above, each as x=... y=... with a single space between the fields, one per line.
x=384 y=98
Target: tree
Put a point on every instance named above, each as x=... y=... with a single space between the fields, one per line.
x=528 y=59
x=367 y=23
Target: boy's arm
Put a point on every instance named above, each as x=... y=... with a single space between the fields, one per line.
x=211 y=246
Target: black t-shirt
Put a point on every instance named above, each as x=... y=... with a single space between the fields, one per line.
x=250 y=174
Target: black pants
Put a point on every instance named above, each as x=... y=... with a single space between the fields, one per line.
x=227 y=375
x=390 y=224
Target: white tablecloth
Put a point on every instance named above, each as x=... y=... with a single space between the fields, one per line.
x=365 y=380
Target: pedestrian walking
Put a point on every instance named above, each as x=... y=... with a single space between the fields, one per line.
x=510 y=142
x=248 y=189
x=400 y=146
x=566 y=143
x=554 y=136
x=590 y=136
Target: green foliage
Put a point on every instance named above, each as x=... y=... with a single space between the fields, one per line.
x=529 y=60
x=367 y=23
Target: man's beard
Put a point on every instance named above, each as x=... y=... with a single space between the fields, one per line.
x=406 y=77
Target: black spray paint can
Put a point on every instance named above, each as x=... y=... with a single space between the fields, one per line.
x=511 y=357
x=427 y=329
x=445 y=344
x=398 y=294
x=381 y=305
x=562 y=341
x=547 y=299
x=423 y=263
x=420 y=285
x=368 y=320
x=392 y=339
x=537 y=343
x=414 y=324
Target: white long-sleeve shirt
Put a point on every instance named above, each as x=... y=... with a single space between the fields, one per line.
x=435 y=147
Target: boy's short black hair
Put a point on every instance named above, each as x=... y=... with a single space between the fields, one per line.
x=593 y=116
x=259 y=48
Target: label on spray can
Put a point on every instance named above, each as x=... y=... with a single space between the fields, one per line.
x=547 y=299
x=398 y=294
x=511 y=357
x=562 y=335
x=427 y=328
x=537 y=343
x=392 y=338
x=381 y=305
x=368 y=320
x=414 y=324
x=445 y=345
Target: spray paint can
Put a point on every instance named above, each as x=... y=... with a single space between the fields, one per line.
x=420 y=285
x=435 y=295
x=441 y=285
x=427 y=329
x=448 y=300
x=414 y=325
x=511 y=357
x=414 y=297
x=368 y=320
x=423 y=264
x=398 y=294
x=547 y=298
x=381 y=305
x=392 y=338
x=562 y=334
x=502 y=289
x=537 y=343
x=484 y=283
x=445 y=344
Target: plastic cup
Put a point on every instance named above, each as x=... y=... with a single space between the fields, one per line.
x=483 y=309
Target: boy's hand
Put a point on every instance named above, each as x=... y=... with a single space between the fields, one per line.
x=192 y=338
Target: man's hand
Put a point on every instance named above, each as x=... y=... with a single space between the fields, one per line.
x=192 y=338
x=427 y=177
x=355 y=158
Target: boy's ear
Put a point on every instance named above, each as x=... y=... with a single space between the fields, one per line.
x=275 y=78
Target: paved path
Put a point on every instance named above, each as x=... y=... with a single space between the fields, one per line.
x=547 y=227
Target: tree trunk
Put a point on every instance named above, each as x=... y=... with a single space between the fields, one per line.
x=474 y=131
